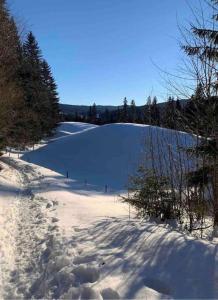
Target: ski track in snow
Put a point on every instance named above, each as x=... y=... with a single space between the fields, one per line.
x=63 y=240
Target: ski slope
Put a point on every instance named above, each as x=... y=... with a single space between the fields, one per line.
x=106 y=155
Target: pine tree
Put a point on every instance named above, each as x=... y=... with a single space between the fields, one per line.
x=53 y=99
x=94 y=113
x=124 y=113
x=118 y=115
x=40 y=90
x=28 y=93
x=203 y=53
x=155 y=114
x=169 y=115
x=107 y=116
x=133 y=112
x=33 y=86
x=12 y=112
x=147 y=112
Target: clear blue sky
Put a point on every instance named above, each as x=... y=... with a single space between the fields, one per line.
x=102 y=50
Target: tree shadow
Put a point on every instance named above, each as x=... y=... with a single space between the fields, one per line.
x=157 y=257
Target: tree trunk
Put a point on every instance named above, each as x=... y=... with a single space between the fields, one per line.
x=216 y=187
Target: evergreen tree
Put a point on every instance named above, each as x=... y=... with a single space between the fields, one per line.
x=151 y=196
x=12 y=112
x=52 y=94
x=107 y=117
x=203 y=53
x=94 y=112
x=90 y=114
x=155 y=114
x=35 y=92
x=147 y=112
x=28 y=93
x=169 y=115
x=118 y=115
x=178 y=107
x=40 y=90
x=124 y=113
x=133 y=112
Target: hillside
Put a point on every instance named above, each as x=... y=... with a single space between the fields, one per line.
x=105 y=155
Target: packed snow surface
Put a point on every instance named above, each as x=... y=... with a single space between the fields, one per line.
x=62 y=238
x=106 y=155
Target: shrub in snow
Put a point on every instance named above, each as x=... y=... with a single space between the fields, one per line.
x=151 y=195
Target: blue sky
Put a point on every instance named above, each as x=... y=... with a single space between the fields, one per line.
x=102 y=50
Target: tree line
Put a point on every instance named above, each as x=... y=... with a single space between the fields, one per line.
x=152 y=113
x=166 y=115
x=29 y=102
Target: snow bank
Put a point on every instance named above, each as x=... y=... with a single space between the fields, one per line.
x=105 y=156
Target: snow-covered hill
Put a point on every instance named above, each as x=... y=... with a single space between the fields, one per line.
x=106 y=155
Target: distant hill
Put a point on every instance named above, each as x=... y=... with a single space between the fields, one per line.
x=68 y=109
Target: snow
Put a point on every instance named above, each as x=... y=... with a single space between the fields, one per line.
x=66 y=238
x=70 y=128
x=105 y=155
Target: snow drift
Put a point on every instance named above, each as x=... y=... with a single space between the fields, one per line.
x=106 y=155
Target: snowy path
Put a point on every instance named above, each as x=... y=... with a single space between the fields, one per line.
x=25 y=231
x=33 y=251
x=61 y=246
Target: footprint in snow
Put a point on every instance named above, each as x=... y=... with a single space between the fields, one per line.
x=84 y=259
x=54 y=220
x=157 y=285
x=76 y=229
x=86 y=274
x=90 y=293
x=110 y=294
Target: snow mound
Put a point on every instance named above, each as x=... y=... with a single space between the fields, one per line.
x=105 y=156
x=69 y=128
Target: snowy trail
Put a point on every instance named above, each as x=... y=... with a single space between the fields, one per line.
x=40 y=263
x=65 y=239
x=24 y=231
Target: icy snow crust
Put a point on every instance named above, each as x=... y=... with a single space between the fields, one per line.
x=65 y=239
